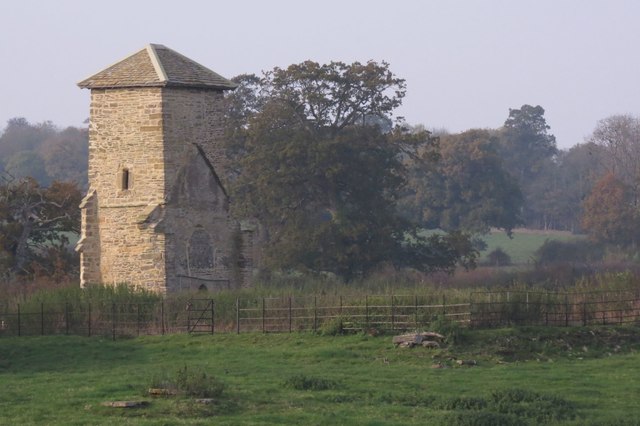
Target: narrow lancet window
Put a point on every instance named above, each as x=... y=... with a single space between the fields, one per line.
x=125 y=179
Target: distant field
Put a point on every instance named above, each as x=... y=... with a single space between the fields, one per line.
x=575 y=376
x=524 y=243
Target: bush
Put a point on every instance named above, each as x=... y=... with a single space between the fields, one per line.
x=498 y=257
x=445 y=326
x=579 y=251
x=333 y=327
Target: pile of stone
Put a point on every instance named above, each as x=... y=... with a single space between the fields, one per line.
x=426 y=339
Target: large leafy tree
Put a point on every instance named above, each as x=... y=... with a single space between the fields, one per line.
x=609 y=215
x=619 y=138
x=528 y=149
x=34 y=225
x=319 y=173
x=468 y=188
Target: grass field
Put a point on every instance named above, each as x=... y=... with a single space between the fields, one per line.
x=523 y=376
x=523 y=244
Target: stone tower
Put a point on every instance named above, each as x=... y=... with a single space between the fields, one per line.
x=156 y=214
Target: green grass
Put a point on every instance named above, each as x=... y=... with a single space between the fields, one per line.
x=523 y=244
x=524 y=376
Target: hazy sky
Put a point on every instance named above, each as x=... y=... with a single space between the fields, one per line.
x=466 y=62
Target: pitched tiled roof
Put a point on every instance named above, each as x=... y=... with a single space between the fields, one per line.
x=156 y=66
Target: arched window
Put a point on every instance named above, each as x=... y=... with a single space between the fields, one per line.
x=200 y=251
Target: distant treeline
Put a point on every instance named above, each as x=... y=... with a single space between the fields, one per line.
x=43 y=151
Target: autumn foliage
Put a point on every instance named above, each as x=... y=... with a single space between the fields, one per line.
x=609 y=214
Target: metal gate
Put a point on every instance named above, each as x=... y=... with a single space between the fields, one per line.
x=200 y=316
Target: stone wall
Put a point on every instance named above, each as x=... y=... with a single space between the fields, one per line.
x=156 y=214
x=193 y=116
x=125 y=133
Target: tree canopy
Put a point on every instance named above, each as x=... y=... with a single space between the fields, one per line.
x=320 y=174
x=34 y=226
x=468 y=188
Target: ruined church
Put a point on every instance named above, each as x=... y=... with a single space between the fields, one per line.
x=156 y=214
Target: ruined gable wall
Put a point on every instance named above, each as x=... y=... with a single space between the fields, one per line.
x=126 y=132
x=194 y=116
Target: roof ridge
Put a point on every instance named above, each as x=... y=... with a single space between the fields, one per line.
x=157 y=65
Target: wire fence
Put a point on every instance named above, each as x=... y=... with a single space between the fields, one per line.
x=491 y=309
x=317 y=313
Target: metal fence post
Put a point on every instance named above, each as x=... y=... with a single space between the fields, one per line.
x=162 y=316
x=415 y=303
x=546 y=311
x=315 y=313
x=393 y=317
x=42 y=318
x=237 y=315
x=566 y=310
x=213 y=318
x=444 y=306
x=366 y=310
x=263 y=313
x=113 y=321
x=19 y=323
x=66 y=318
x=290 y=314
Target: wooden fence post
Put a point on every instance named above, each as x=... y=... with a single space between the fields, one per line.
x=213 y=317
x=263 y=313
x=42 y=318
x=137 y=319
x=19 y=324
x=566 y=310
x=89 y=320
x=415 y=303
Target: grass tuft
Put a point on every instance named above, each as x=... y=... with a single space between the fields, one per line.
x=303 y=382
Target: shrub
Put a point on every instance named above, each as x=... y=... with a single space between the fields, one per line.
x=445 y=326
x=302 y=382
x=333 y=327
x=192 y=382
x=579 y=251
x=498 y=257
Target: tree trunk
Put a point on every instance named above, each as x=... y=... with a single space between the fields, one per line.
x=22 y=248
